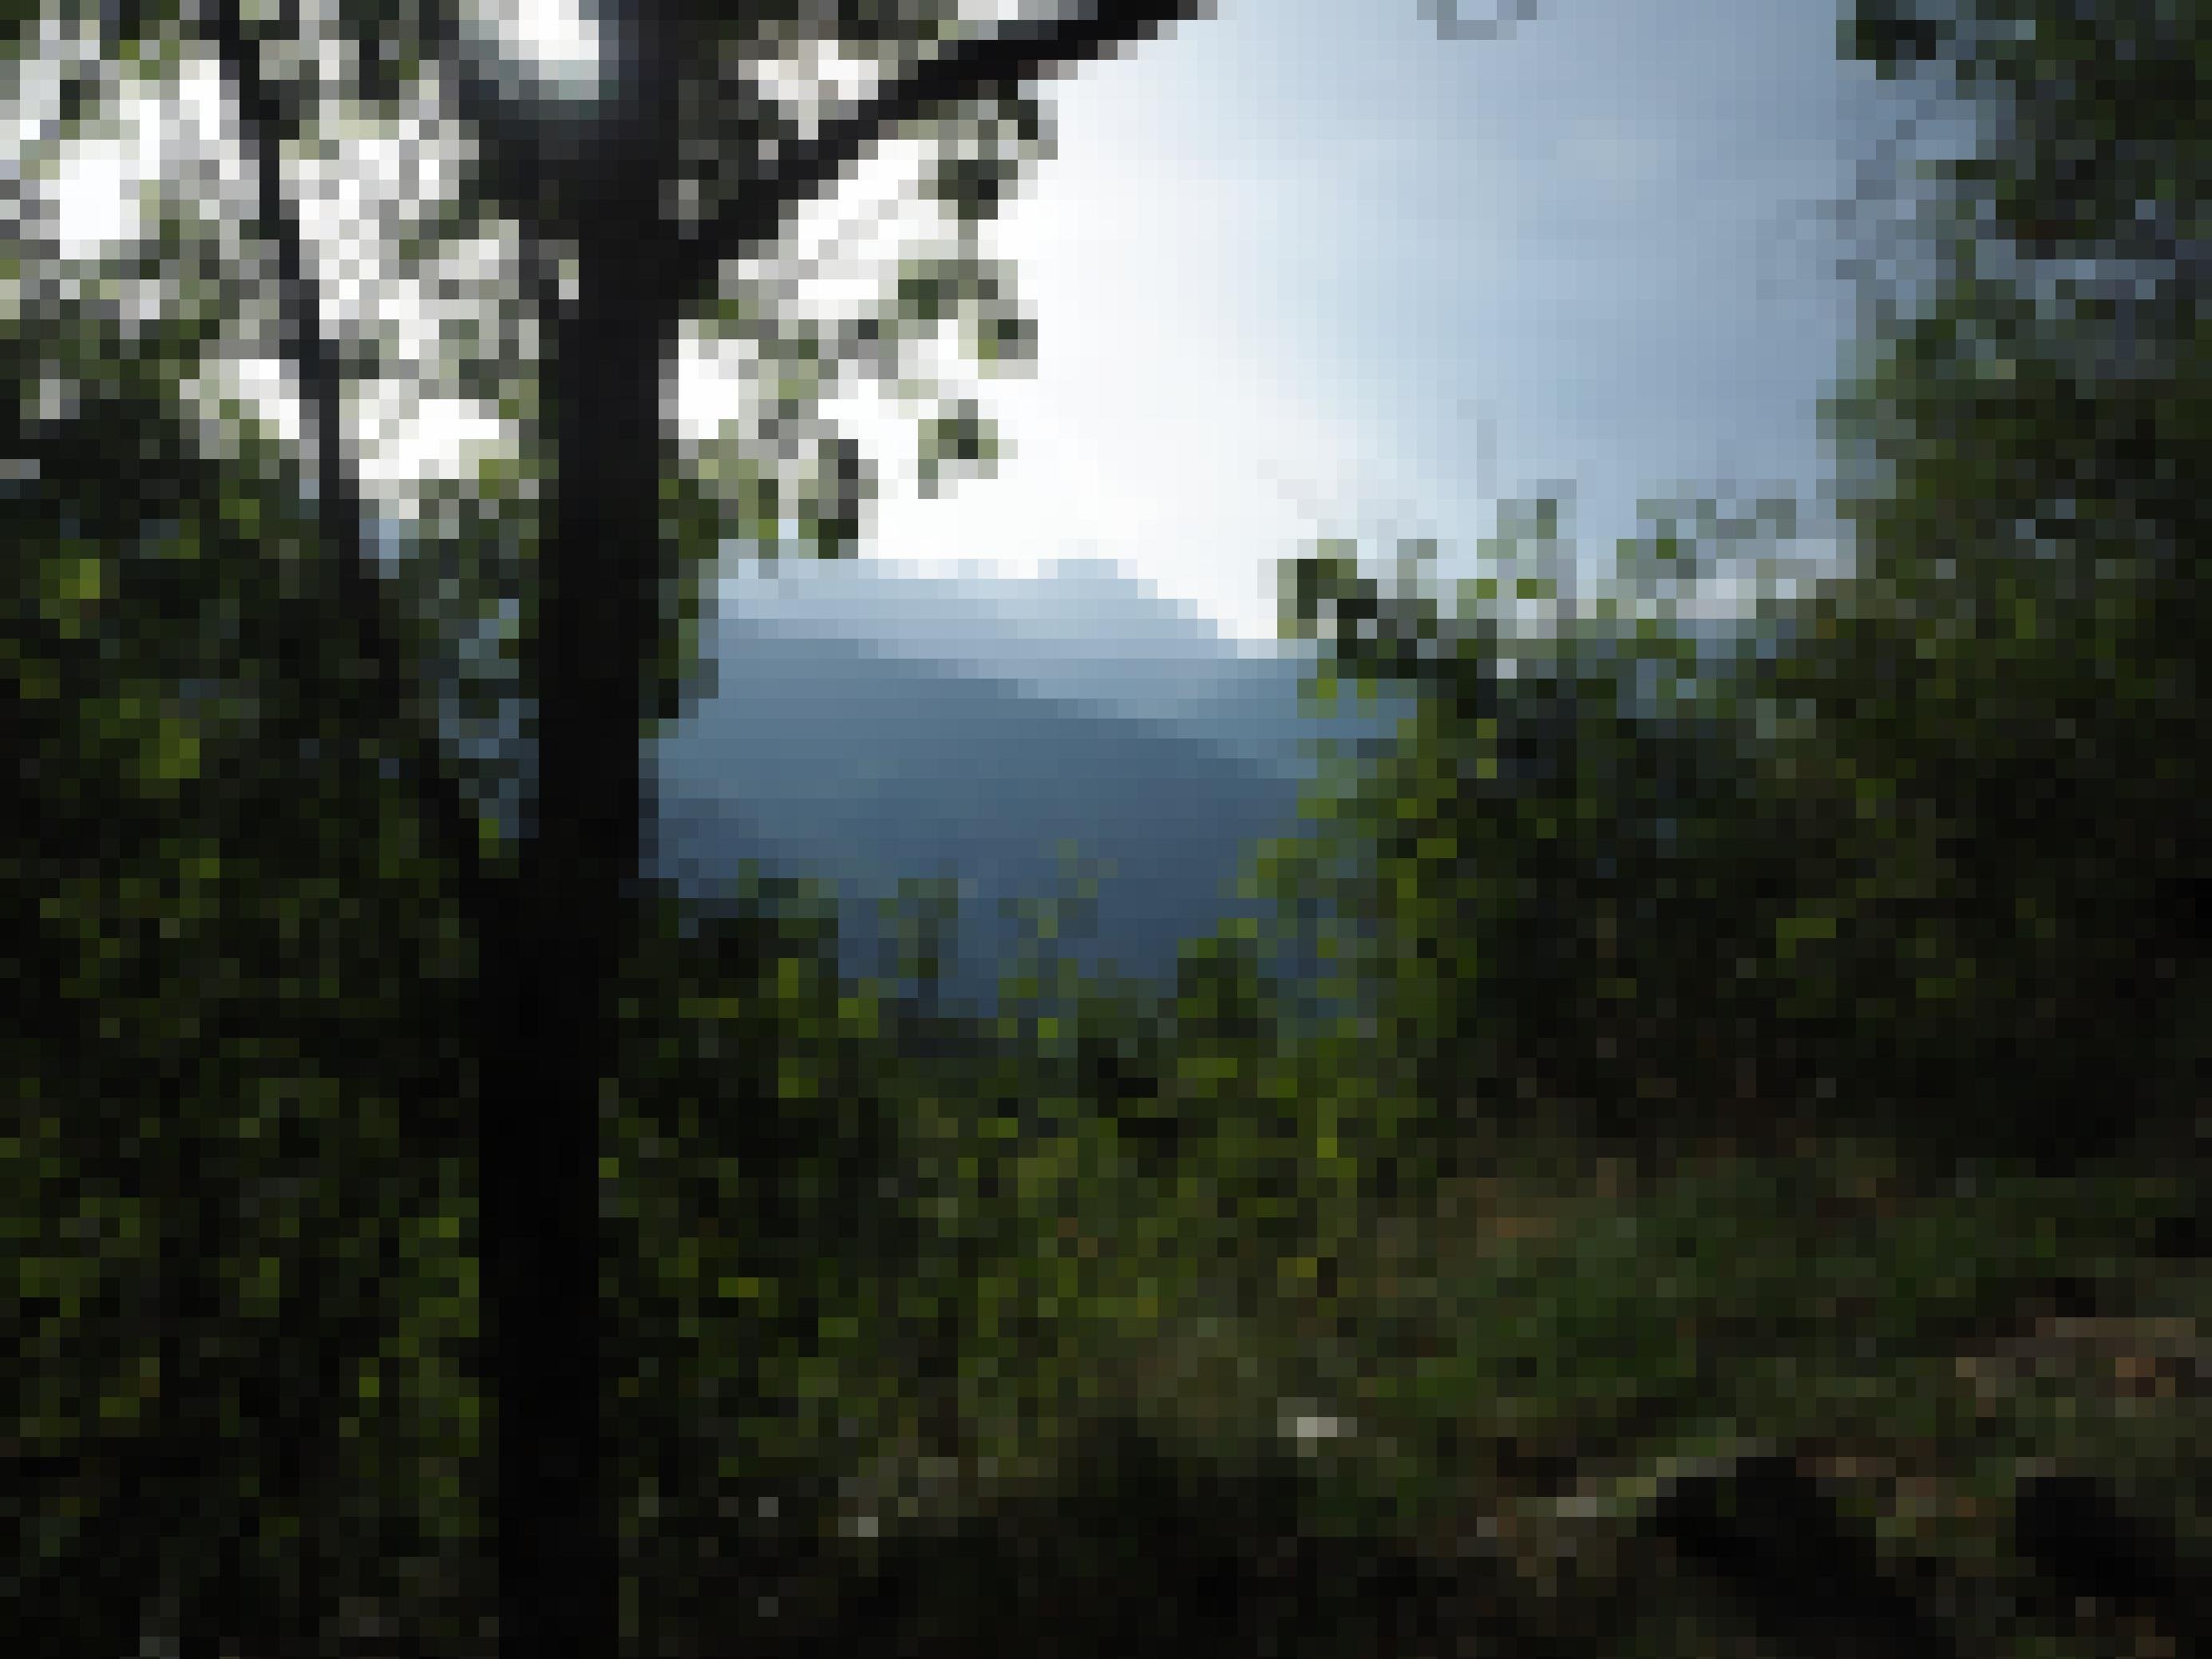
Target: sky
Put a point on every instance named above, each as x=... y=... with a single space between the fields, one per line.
x=1307 y=267
x=1302 y=268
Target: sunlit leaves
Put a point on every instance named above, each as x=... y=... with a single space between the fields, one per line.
x=988 y=152
x=960 y=439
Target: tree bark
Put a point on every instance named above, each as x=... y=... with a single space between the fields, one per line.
x=552 y=954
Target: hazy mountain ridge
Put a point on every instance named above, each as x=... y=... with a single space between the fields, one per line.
x=1084 y=633
x=863 y=726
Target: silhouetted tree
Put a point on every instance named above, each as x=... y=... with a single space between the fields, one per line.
x=635 y=208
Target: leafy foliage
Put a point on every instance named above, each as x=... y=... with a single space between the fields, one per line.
x=1658 y=965
x=1923 y=846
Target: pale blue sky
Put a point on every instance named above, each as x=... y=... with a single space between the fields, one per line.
x=1293 y=262
x=1293 y=265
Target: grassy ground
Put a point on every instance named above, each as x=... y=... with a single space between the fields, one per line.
x=1520 y=1364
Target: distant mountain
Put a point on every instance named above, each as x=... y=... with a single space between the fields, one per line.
x=865 y=726
x=1084 y=632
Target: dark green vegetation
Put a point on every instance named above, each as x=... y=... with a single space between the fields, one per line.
x=1753 y=1139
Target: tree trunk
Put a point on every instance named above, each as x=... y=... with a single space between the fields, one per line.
x=553 y=940
x=552 y=949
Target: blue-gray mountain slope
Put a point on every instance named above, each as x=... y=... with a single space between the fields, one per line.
x=875 y=726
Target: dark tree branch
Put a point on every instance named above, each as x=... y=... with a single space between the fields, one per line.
x=1008 y=58
x=448 y=821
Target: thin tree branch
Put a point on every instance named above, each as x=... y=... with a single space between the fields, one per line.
x=1021 y=52
x=448 y=820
